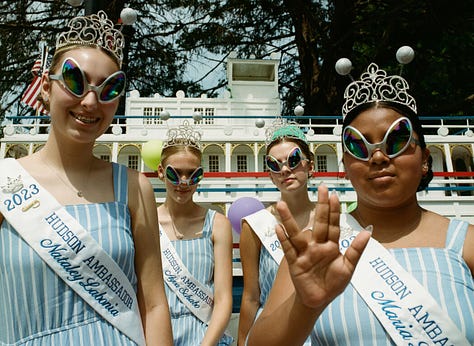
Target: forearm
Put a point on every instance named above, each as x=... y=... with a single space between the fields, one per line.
x=157 y=326
x=248 y=311
x=289 y=324
x=218 y=323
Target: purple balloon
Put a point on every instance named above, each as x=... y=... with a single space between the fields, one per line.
x=241 y=208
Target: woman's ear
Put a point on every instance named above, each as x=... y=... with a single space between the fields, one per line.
x=45 y=88
x=310 y=169
x=161 y=172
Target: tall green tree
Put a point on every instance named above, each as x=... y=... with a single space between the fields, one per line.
x=173 y=37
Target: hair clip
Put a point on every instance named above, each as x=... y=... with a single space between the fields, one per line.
x=283 y=128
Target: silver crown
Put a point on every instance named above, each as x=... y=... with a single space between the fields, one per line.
x=95 y=30
x=283 y=128
x=375 y=85
x=185 y=135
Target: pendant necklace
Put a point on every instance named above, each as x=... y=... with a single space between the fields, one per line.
x=177 y=233
x=79 y=193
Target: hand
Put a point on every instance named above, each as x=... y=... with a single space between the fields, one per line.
x=318 y=270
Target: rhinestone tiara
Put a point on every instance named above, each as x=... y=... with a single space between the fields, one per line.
x=185 y=135
x=95 y=30
x=375 y=85
x=283 y=128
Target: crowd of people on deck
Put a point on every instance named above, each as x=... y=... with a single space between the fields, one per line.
x=87 y=257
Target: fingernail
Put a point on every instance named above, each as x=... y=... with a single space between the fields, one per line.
x=369 y=228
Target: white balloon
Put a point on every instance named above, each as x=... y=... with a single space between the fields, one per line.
x=343 y=66
x=75 y=3
x=128 y=16
x=299 y=110
x=260 y=123
x=405 y=54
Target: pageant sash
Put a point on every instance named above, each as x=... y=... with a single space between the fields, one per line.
x=407 y=311
x=194 y=295
x=68 y=249
x=263 y=224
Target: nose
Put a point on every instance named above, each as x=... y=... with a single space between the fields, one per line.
x=90 y=100
x=378 y=156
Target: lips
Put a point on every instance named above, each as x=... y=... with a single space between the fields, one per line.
x=85 y=119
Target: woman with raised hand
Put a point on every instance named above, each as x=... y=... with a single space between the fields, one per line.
x=196 y=247
x=79 y=263
x=414 y=283
x=290 y=164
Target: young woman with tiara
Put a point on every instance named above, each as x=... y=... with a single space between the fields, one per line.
x=413 y=284
x=289 y=161
x=79 y=236
x=196 y=247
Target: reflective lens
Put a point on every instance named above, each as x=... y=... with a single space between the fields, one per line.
x=396 y=140
x=74 y=80
x=293 y=160
x=175 y=179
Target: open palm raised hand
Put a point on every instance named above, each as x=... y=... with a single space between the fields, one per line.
x=318 y=269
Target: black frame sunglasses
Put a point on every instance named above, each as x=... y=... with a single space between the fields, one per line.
x=73 y=79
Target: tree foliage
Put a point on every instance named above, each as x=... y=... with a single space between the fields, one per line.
x=177 y=44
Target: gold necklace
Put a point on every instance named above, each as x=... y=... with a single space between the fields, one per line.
x=79 y=193
x=177 y=233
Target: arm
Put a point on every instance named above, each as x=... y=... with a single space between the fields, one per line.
x=222 y=238
x=250 y=246
x=151 y=293
x=468 y=254
x=313 y=273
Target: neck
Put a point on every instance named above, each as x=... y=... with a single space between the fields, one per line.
x=65 y=157
x=390 y=224
x=298 y=203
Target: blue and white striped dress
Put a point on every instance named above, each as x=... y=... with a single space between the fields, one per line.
x=442 y=271
x=197 y=256
x=39 y=308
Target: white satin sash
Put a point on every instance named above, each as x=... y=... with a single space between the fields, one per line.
x=263 y=224
x=68 y=249
x=194 y=295
x=407 y=311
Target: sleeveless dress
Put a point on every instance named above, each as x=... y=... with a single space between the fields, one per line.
x=442 y=271
x=39 y=308
x=267 y=270
x=197 y=256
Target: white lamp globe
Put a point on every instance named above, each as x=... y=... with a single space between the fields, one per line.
x=405 y=55
x=128 y=16
x=164 y=115
x=260 y=123
x=197 y=116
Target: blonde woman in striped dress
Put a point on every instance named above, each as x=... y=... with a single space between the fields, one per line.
x=45 y=299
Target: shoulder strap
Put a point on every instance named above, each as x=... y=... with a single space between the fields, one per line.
x=208 y=222
x=71 y=252
x=456 y=234
x=120 y=183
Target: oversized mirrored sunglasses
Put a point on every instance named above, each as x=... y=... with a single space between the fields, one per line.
x=295 y=157
x=74 y=80
x=396 y=140
x=175 y=179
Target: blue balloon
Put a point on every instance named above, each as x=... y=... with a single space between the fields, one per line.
x=241 y=208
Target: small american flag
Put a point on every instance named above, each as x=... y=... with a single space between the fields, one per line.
x=33 y=90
